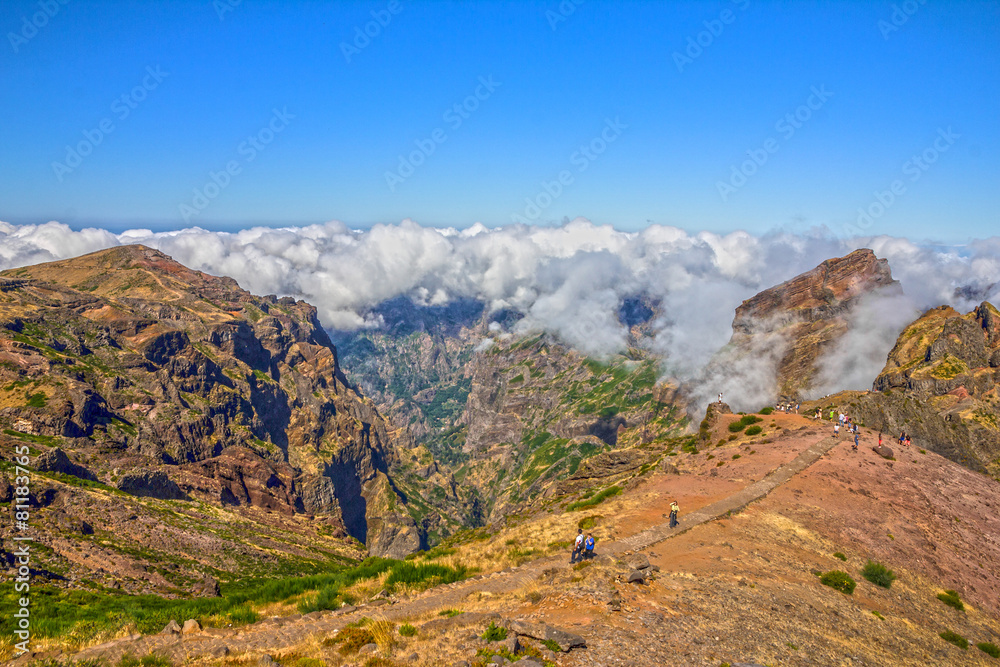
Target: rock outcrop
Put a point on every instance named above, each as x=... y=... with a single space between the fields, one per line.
x=940 y=385
x=781 y=334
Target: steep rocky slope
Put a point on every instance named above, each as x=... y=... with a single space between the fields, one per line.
x=940 y=385
x=781 y=334
x=128 y=371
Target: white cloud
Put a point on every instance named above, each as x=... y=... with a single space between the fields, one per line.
x=567 y=280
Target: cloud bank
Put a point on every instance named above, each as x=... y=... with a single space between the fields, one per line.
x=567 y=280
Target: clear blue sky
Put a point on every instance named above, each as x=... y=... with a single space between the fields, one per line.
x=685 y=128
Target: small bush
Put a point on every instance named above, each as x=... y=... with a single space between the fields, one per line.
x=733 y=437
x=450 y=612
x=766 y=411
x=407 y=630
x=737 y=426
x=596 y=500
x=552 y=645
x=588 y=522
x=495 y=633
x=350 y=639
x=878 y=615
x=839 y=555
x=878 y=574
x=581 y=565
x=955 y=638
x=736 y=456
x=754 y=430
x=838 y=580
x=989 y=649
x=951 y=599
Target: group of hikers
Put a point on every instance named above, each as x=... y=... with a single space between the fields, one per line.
x=840 y=419
x=583 y=547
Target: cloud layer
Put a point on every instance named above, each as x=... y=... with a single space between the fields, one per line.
x=567 y=280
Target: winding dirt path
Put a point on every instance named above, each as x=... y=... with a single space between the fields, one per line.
x=281 y=632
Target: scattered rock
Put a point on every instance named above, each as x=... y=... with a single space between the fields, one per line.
x=368 y=649
x=883 y=451
x=266 y=661
x=637 y=561
x=636 y=577
x=511 y=644
x=171 y=628
x=190 y=626
x=543 y=632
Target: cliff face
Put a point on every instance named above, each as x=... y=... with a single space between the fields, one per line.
x=129 y=360
x=797 y=322
x=940 y=384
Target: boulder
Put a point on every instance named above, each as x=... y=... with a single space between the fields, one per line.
x=191 y=626
x=206 y=588
x=883 y=451
x=636 y=577
x=543 y=632
x=637 y=561
x=55 y=460
x=171 y=628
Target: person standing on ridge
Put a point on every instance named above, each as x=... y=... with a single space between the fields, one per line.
x=588 y=546
x=720 y=397
x=855 y=445
x=674 y=510
x=577 y=546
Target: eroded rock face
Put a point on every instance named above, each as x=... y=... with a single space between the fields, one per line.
x=191 y=386
x=780 y=335
x=940 y=385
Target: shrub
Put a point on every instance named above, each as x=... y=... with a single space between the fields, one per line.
x=407 y=630
x=596 y=499
x=839 y=555
x=737 y=426
x=989 y=648
x=878 y=574
x=450 y=612
x=350 y=639
x=552 y=645
x=838 y=580
x=587 y=522
x=951 y=599
x=878 y=615
x=495 y=633
x=582 y=564
x=955 y=638
x=736 y=456
x=766 y=411
x=754 y=430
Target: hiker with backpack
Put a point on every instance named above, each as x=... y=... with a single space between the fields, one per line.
x=588 y=546
x=577 y=546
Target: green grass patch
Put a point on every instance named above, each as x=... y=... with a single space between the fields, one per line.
x=596 y=499
x=878 y=615
x=837 y=554
x=407 y=630
x=878 y=574
x=766 y=411
x=838 y=580
x=955 y=638
x=588 y=522
x=753 y=430
x=952 y=599
x=989 y=648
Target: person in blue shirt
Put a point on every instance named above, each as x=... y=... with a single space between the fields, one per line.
x=589 y=546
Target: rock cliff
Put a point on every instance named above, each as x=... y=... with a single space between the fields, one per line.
x=174 y=383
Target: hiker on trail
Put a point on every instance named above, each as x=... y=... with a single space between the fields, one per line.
x=674 y=509
x=906 y=441
x=855 y=428
x=855 y=445
x=797 y=406
x=880 y=439
x=836 y=429
x=819 y=413
x=902 y=436
x=589 y=547
x=577 y=546
x=842 y=417
x=720 y=397
x=832 y=413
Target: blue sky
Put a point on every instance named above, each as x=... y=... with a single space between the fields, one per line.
x=201 y=90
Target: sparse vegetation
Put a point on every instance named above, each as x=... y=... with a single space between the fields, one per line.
x=596 y=499
x=494 y=633
x=989 y=648
x=877 y=615
x=955 y=638
x=754 y=430
x=838 y=580
x=952 y=599
x=878 y=574
x=766 y=411
x=552 y=645
x=743 y=422
x=837 y=554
